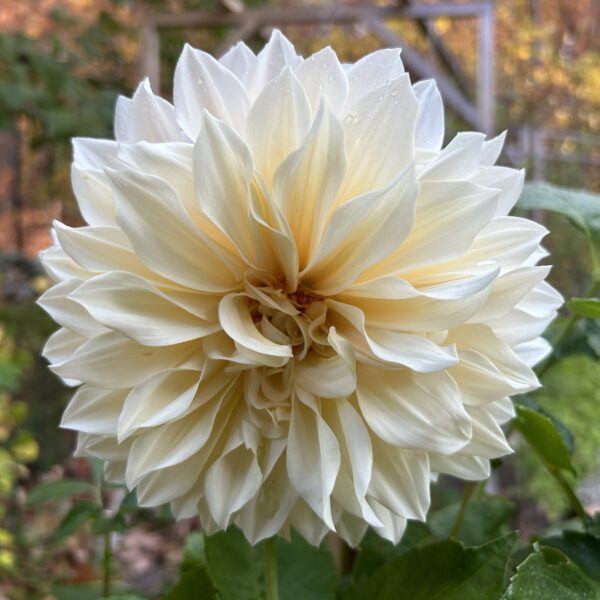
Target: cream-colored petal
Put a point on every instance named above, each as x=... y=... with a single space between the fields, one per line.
x=380 y=137
x=413 y=410
x=66 y=312
x=502 y=411
x=164 y=237
x=104 y=447
x=351 y=529
x=173 y=162
x=508 y=181
x=59 y=266
x=113 y=361
x=387 y=347
x=277 y=123
x=393 y=525
x=530 y=317
x=508 y=290
x=163 y=397
x=417 y=314
x=94 y=196
x=172 y=443
x=94 y=410
x=449 y=216
x=169 y=395
x=270 y=223
x=482 y=340
x=231 y=482
x=137 y=309
x=373 y=71
x=305 y=185
x=429 y=132
x=308 y=524
x=145 y=117
x=277 y=54
x=400 y=481
x=170 y=161
x=463 y=466
x=114 y=471
x=459 y=160
x=492 y=148
x=93 y=153
x=488 y=439
x=266 y=514
x=238 y=59
x=534 y=351
x=313 y=456
x=222 y=173
x=356 y=466
x=480 y=380
x=362 y=232
x=236 y=321
x=168 y=484
x=101 y=249
x=202 y=83
x=322 y=76
x=509 y=241
x=325 y=377
x=61 y=345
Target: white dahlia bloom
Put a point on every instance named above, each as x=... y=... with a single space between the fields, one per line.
x=291 y=307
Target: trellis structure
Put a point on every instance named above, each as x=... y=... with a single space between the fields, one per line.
x=453 y=83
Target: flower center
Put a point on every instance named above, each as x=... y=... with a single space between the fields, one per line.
x=302 y=298
x=297 y=318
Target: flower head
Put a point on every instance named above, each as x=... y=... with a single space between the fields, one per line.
x=291 y=307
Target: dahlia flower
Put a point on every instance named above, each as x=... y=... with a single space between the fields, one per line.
x=291 y=307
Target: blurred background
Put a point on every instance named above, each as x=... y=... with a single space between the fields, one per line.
x=531 y=67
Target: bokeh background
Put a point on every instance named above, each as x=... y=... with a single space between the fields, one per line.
x=62 y=65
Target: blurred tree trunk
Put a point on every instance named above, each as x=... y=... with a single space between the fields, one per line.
x=10 y=183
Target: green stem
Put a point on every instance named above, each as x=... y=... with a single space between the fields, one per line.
x=470 y=487
x=569 y=492
x=106 y=565
x=271 y=587
x=566 y=330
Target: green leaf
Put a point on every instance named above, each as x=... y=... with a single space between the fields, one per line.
x=105 y=524
x=593 y=525
x=235 y=568
x=195 y=584
x=482 y=521
x=541 y=433
x=57 y=490
x=229 y=553
x=304 y=571
x=585 y=307
x=440 y=571
x=581 y=208
x=194 y=554
x=129 y=502
x=582 y=548
x=546 y=575
x=81 y=513
x=76 y=592
x=374 y=551
x=565 y=432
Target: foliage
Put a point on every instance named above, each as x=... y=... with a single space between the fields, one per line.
x=17 y=445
